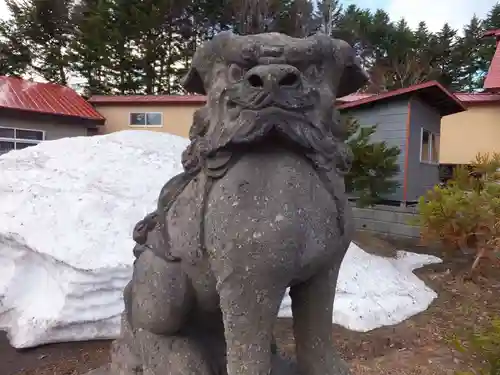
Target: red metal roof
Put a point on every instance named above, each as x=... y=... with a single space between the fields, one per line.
x=431 y=92
x=479 y=97
x=349 y=101
x=464 y=97
x=147 y=99
x=492 y=81
x=47 y=98
x=494 y=32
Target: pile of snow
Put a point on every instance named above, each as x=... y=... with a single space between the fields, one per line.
x=67 y=209
x=375 y=291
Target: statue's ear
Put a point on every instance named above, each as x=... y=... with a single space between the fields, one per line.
x=199 y=75
x=354 y=76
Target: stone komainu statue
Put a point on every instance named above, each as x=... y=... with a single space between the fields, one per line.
x=260 y=207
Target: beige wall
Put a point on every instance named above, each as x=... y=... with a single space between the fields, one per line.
x=52 y=129
x=177 y=118
x=465 y=134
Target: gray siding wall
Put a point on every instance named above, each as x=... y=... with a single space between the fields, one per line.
x=390 y=118
x=421 y=176
x=52 y=131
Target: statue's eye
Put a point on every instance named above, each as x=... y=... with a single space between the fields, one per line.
x=236 y=72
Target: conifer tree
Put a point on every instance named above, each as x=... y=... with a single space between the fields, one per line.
x=375 y=164
x=46 y=29
x=15 y=56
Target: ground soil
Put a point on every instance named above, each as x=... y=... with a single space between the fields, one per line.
x=420 y=345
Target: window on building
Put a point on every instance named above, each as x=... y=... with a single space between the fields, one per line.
x=17 y=139
x=146 y=119
x=429 y=147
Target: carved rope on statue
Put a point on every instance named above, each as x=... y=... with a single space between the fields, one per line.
x=259 y=208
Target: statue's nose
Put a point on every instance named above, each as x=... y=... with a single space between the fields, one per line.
x=273 y=76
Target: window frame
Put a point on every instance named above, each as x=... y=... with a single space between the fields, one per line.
x=432 y=136
x=16 y=140
x=145 y=117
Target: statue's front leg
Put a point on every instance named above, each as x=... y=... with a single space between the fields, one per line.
x=249 y=310
x=312 y=308
x=251 y=283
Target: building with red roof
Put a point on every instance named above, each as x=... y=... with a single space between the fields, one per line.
x=492 y=81
x=162 y=113
x=403 y=117
x=409 y=118
x=466 y=133
x=31 y=112
x=476 y=130
x=428 y=123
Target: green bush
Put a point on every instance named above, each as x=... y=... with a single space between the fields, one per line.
x=484 y=346
x=465 y=214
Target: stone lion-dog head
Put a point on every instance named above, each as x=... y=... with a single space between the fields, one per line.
x=263 y=84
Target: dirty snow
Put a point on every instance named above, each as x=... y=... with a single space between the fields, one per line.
x=375 y=291
x=67 y=209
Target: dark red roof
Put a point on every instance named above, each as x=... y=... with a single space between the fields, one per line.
x=147 y=99
x=478 y=97
x=46 y=98
x=432 y=92
x=495 y=32
x=177 y=99
x=349 y=101
x=464 y=97
x=492 y=81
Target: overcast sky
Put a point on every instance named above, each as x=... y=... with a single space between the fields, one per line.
x=434 y=12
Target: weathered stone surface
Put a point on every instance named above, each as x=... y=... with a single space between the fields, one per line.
x=260 y=208
x=125 y=359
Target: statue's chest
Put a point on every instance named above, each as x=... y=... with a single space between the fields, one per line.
x=279 y=198
x=276 y=191
x=275 y=180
